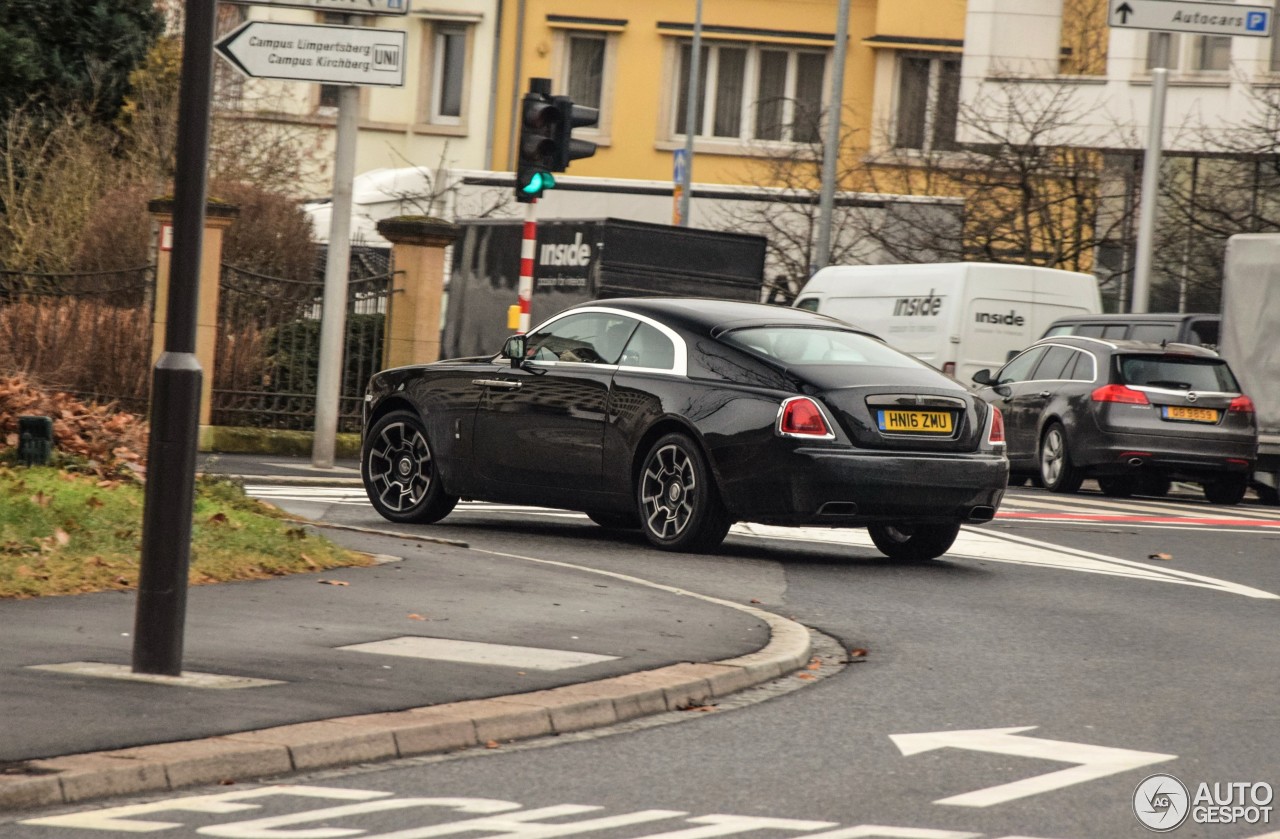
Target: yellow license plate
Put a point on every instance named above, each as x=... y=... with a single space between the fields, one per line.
x=1178 y=412
x=916 y=422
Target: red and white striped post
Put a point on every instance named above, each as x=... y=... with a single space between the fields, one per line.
x=528 y=250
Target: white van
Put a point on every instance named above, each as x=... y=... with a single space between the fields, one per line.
x=958 y=316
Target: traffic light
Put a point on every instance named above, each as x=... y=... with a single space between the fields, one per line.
x=569 y=117
x=539 y=123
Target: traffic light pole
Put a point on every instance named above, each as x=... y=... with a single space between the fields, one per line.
x=528 y=252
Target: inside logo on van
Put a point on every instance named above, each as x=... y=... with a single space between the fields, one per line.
x=1010 y=319
x=927 y=306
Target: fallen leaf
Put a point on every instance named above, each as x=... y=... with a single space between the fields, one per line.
x=218 y=518
x=857 y=652
x=62 y=537
x=311 y=563
x=93 y=502
x=414 y=616
x=1160 y=556
x=805 y=676
x=107 y=484
x=333 y=582
x=492 y=744
x=814 y=665
x=40 y=499
x=756 y=600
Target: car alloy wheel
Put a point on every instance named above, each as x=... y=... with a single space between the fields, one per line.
x=1056 y=468
x=913 y=541
x=399 y=471
x=679 y=507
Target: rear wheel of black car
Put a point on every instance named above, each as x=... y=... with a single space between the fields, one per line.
x=400 y=473
x=677 y=501
x=1228 y=491
x=913 y=541
x=1156 y=485
x=1056 y=469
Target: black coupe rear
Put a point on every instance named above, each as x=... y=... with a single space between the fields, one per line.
x=680 y=417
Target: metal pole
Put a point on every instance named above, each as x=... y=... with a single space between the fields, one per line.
x=528 y=251
x=333 y=318
x=691 y=112
x=1149 y=198
x=160 y=618
x=831 y=149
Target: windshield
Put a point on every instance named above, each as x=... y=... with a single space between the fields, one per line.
x=1177 y=373
x=794 y=346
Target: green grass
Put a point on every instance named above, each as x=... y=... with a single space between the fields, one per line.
x=67 y=532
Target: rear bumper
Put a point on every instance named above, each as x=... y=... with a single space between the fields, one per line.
x=1176 y=457
x=812 y=485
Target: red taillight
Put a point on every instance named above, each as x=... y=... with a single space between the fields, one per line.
x=801 y=417
x=996 y=435
x=1241 y=405
x=1120 y=393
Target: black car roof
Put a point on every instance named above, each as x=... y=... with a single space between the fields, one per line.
x=707 y=315
x=1145 y=317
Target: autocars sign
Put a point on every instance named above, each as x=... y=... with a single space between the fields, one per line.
x=311 y=53
x=1183 y=16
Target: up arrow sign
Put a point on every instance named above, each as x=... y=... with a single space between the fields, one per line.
x=1091 y=761
x=1124 y=10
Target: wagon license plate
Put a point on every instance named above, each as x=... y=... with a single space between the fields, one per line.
x=1178 y=412
x=916 y=422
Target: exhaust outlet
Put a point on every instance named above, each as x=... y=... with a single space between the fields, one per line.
x=1135 y=461
x=982 y=513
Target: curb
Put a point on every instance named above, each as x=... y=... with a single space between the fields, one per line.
x=433 y=729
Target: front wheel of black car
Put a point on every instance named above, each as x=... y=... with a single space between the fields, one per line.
x=679 y=507
x=400 y=473
x=913 y=541
x=1227 y=491
x=1056 y=469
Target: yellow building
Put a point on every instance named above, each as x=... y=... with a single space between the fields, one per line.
x=766 y=66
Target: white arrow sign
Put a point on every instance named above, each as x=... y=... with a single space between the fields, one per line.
x=1183 y=16
x=303 y=52
x=1093 y=761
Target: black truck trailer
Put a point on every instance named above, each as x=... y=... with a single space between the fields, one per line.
x=577 y=261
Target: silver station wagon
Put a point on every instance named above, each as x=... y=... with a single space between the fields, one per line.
x=1133 y=415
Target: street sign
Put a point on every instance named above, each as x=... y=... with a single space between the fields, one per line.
x=1200 y=18
x=304 y=52
x=351 y=7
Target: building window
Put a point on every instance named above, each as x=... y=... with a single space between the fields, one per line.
x=753 y=92
x=928 y=103
x=584 y=77
x=1193 y=53
x=448 y=68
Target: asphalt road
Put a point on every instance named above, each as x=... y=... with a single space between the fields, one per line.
x=1081 y=664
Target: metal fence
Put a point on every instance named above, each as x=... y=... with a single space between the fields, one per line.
x=268 y=349
x=88 y=334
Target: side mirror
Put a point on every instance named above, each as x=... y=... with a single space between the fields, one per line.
x=983 y=377
x=514 y=349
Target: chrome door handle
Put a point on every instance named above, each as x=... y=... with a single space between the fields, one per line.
x=1044 y=394
x=504 y=384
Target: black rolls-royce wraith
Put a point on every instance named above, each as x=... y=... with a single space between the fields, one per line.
x=682 y=416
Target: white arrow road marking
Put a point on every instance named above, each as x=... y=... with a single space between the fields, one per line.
x=1018 y=550
x=1094 y=761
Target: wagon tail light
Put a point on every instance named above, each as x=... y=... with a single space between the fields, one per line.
x=800 y=416
x=995 y=436
x=1121 y=394
x=1240 y=405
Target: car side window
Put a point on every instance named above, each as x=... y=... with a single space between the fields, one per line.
x=1054 y=364
x=649 y=348
x=1019 y=370
x=1203 y=332
x=1090 y=330
x=588 y=338
x=1081 y=368
x=1154 y=332
x=1114 y=330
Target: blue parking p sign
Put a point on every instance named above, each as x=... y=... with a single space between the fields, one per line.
x=1257 y=21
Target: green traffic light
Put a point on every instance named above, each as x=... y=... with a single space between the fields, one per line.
x=537 y=183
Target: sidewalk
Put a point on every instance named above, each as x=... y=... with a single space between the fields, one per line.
x=439 y=647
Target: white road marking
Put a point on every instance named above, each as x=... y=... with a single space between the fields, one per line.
x=474 y=652
x=1093 y=762
x=188 y=679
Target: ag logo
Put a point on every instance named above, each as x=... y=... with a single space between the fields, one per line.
x=1161 y=803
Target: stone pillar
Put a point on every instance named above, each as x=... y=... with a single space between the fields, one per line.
x=218 y=218
x=417 y=288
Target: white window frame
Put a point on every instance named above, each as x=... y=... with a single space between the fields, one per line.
x=440 y=32
x=1186 y=51
x=748 y=109
x=933 y=94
